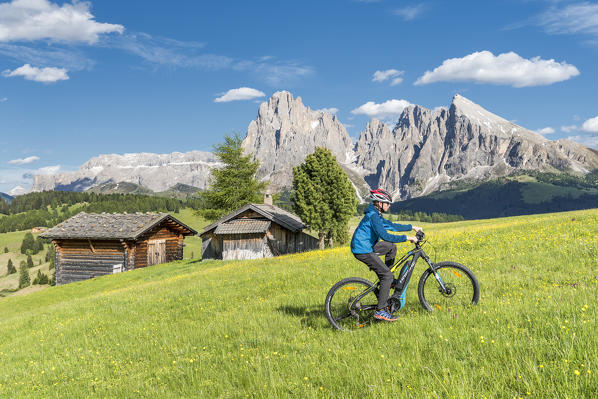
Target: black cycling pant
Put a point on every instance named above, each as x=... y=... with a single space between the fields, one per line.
x=382 y=269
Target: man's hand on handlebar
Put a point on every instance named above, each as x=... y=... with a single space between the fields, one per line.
x=412 y=239
x=416 y=228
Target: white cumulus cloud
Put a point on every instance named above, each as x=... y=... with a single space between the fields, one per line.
x=44 y=75
x=569 y=128
x=389 y=108
x=41 y=19
x=503 y=69
x=545 y=131
x=331 y=110
x=242 y=93
x=24 y=161
x=381 y=76
x=591 y=125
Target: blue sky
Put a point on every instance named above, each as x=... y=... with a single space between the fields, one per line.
x=79 y=79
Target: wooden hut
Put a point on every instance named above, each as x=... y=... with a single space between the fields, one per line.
x=90 y=244
x=256 y=231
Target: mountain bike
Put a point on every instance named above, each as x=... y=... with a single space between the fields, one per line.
x=351 y=303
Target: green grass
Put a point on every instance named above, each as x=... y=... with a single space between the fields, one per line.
x=256 y=328
x=192 y=244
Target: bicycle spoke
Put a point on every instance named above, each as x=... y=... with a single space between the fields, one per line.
x=351 y=303
x=348 y=314
x=459 y=288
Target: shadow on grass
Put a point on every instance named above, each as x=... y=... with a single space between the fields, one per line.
x=311 y=316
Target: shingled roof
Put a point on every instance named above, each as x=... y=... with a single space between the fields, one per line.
x=273 y=213
x=243 y=226
x=110 y=226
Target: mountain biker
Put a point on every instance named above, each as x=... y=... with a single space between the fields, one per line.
x=371 y=239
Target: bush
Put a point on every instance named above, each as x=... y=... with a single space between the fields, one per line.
x=5 y=250
x=41 y=279
x=29 y=261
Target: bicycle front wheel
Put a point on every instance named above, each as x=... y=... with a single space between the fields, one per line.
x=461 y=288
x=351 y=303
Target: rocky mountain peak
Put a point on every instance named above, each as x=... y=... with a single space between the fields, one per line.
x=285 y=131
x=429 y=149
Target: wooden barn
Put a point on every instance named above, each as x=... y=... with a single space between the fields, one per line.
x=256 y=231
x=91 y=244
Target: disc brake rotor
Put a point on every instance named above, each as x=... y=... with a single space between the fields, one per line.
x=450 y=290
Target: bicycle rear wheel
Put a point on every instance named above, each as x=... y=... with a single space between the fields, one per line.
x=349 y=305
x=462 y=288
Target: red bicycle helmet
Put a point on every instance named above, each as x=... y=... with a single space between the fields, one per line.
x=380 y=195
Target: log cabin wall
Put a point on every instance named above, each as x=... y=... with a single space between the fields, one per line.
x=211 y=247
x=242 y=246
x=283 y=241
x=174 y=245
x=78 y=260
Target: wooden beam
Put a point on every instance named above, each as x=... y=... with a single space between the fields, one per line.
x=91 y=246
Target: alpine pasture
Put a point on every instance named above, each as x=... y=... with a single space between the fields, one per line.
x=256 y=328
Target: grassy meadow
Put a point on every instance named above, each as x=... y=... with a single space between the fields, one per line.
x=256 y=328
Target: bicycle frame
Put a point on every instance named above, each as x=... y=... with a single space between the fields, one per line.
x=407 y=263
x=407 y=270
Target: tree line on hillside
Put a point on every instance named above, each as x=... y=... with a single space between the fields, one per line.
x=105 y=202
x=589 y=180
x=22 y=213
x=498 y=198
x=419 y=216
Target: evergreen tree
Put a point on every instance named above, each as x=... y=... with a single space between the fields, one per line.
x=24 y=280
x=28 y=243
x=323 y=196
x=38 y=246
x=233 y=185
x=29 y=261
x=51 y=256
x=5 y=250
x=10 y=268
x=41 y=278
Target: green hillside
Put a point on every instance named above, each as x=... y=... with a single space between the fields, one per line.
x=12 y=242
x=256 y=328
x=515 y=195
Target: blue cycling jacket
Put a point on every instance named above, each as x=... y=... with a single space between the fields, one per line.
x=372 y=228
